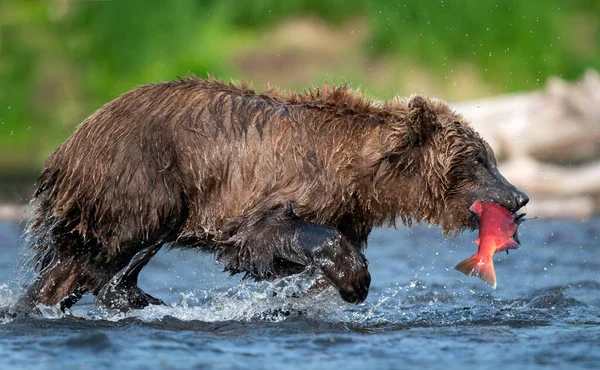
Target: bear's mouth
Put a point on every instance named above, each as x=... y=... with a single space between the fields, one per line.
x=473 y=220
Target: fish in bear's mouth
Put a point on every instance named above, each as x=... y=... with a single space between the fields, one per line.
x=519 y=218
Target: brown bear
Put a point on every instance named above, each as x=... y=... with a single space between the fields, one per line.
x=271 y=182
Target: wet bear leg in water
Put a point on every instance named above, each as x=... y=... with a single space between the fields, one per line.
x=278 y=243
x=70 y=267
x=122 y=291
x=61 y=255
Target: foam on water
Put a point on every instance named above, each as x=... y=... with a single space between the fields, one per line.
x=245 y=302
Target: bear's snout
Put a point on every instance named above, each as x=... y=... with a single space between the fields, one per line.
x=521 y=199
x=513 y=199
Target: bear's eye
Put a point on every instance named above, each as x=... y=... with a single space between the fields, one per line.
x=478 y=161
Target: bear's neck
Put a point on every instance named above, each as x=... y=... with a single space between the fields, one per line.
x=401 y=189
x=405 y=198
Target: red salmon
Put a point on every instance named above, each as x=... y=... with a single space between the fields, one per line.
x=497 y=229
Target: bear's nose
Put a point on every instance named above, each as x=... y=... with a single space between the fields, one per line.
x=521 y=198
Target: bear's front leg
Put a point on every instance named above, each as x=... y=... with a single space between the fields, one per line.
x=278 y=243
x=340 y=261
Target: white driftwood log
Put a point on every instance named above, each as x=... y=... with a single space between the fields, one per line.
x=559 y=124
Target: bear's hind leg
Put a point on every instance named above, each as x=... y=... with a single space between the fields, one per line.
x=279 y=243
x=61 y=261
x=121 y=292
x=58 y=285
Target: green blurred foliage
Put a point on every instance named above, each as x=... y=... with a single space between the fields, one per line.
x=61 y=59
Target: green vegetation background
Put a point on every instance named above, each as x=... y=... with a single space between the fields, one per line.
x=60 y=59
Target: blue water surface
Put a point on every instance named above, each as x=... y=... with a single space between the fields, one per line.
x=420 y=313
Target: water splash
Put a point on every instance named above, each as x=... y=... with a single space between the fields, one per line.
x=244 y=302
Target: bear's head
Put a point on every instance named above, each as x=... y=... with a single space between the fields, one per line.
x=442 y=166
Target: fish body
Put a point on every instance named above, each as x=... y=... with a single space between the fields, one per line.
x=497 y=231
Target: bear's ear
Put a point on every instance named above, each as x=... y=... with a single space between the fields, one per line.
x=422 y=120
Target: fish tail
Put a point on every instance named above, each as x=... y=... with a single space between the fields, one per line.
x=480 y=267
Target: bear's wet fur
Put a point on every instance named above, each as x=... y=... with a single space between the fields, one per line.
x=270 y=182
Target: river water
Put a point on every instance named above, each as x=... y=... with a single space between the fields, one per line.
x=420 y=312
